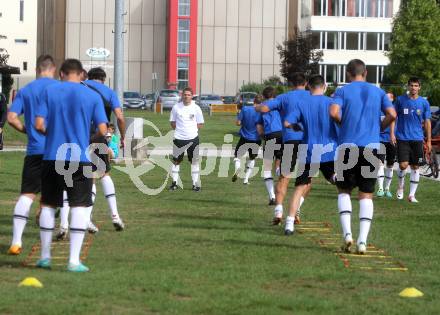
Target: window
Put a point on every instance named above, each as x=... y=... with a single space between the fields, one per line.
x=182 y=72
x=316 y=40
x=183 y=37
x=372 y=74
x=21 y=10
x=386 y=41
x=21 y=41
x=372 y=42
x=184 y=7
x=331 y=73
x=352 y=41
x=332 y=40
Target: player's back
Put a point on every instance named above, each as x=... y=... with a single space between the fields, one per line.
x=71 y=107
x=361 y=106
x=249 y=118
x=271 y=122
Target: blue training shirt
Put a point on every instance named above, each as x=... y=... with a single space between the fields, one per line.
x=25 y=103
x=361 y=104
x=249 y=117
x=107 y=92
x=271 y=122
x=319 y=129
x=69 y=109
x=284 y=104
x=410 y=116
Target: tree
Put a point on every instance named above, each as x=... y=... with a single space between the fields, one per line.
x=415 y=43
x=298 y=54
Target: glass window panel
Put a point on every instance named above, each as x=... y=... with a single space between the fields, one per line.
x=360 y=8
x=387 y=40
x=333 y=7
x=372 y=8
x=388 y=8
x=182 y=75
x=184 y=7
x=315 y=40
x=372 y=74
x=332 y=73
x=371 y=41
x=317 y=7
x=352 y=41
x=332 y=40
x=351 y=7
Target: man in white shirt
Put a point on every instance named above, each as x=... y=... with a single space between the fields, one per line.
x=186 y=119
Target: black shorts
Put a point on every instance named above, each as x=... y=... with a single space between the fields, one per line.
x=31 y=176
x=190 y=146
x=362 y=175
x=53 y=185
x=311 y=170
x=251 y=146
x=100 y=157
x=273 y=146
x=410 y=151
x=390 y=153
x=289 y=156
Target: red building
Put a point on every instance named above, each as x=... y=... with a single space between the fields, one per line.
x=182 y=43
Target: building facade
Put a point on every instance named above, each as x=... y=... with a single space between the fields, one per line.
x=18 y=35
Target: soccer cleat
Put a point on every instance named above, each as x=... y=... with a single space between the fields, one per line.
x=348 y=242
x=62 y=234
x=289 y=227
x=235 y=176
x=91 y=228
x=43 y=263
x=297 y=219
x=388 y=194
x=118 y=224
x=399 y=194
x=77 y=268
x=14 y=250
x=380 y=192
x=246 y=182
x=173 y=186
x=412 y=199
x=272 y=202
x=361 y=248
x=278 y=217
x=196 y=188
x=288 y=232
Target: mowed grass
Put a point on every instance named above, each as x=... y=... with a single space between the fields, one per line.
x=215 y=252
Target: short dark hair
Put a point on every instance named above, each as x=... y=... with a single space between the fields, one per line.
x=110 y=125
x=97 y=74
x=316 y=81
x=188 y=89
x=356 y=67
x=44 y=62
x=414 y=80
x=268 y=92
x=298 y=79
x=258 y=99
x=71 y=65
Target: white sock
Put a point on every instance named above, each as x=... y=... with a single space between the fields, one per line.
x=47 y=225
x=401 y=174
x=21 y=215
x=237 y=164
x=268 y=180
x=278 y=211
x=278 y=171
x=109 y=192
x=78 y=226
x=249 y=168
x=64 y=212
x=175 y=172
x=344 y=206
x=388 y=177
x=290 y=223
x=365 y=217
x=195 y=173
x=380 y=177
x=415 y=178
x=93 y=193
x=301 y=201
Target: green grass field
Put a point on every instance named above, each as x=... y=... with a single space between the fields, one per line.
x=215 y=252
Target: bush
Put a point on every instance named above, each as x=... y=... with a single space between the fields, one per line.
x=252 y=87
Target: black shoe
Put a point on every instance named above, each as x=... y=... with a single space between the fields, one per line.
x=288 y=232
x=234 y=177
x=173 y=186
x=195 y=188
x=276 y=221
x=272 y=202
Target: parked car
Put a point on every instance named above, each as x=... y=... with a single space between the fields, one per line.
x=245 y=98
x=204 y=100
x=133 y=100
x=150 y=100
x=168 y=98
x=228 y=99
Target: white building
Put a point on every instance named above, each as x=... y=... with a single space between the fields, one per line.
x=348 y=29
x=18 y=21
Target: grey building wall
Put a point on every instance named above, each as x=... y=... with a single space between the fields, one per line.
x=89 y=23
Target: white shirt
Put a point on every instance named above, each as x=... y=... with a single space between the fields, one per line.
x=187 y=118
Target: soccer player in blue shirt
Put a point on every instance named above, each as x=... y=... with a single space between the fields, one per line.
x=413 y=114
x=357 y=109
x=385 y=172
x=320 y=137
x=284 y=104
x=249 y=141
x=110 y=102
x=65 y=114
x=269 y=125
x=25 y=103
